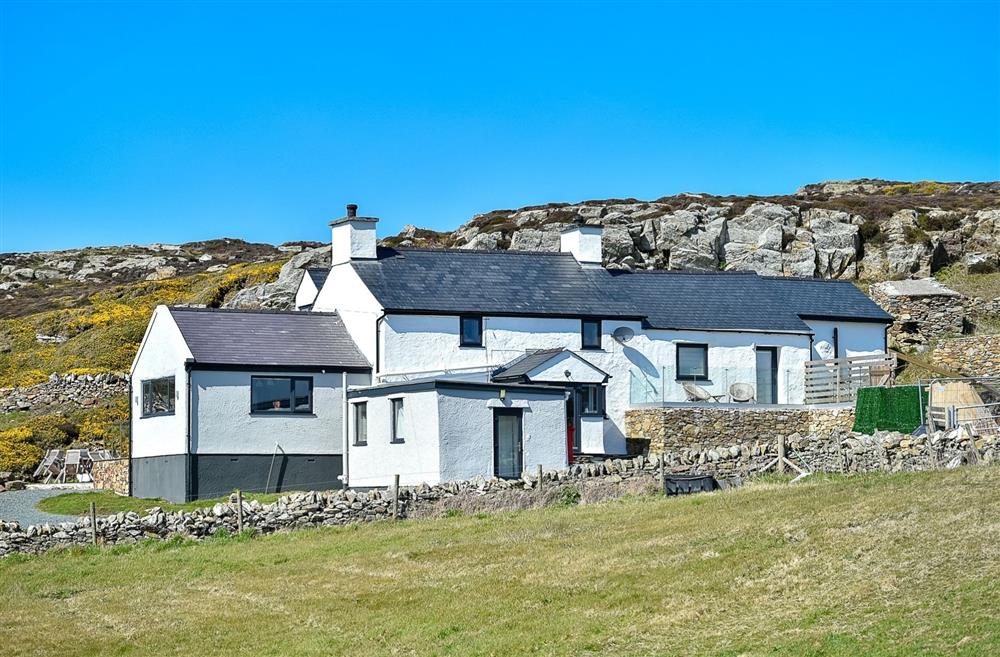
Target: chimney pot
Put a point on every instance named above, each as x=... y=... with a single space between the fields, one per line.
x=352 y=209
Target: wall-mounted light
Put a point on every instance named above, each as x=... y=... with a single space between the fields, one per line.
x=567 y=373
x=503 y=394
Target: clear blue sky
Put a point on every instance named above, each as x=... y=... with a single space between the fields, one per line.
x=143 y=122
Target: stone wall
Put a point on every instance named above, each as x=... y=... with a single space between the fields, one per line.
x=68 y=389
x=920 y=318
x=111 y=475
x=976 y=355
x=681 y=427
x=582 y=483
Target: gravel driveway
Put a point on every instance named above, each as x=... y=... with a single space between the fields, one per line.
x=19 y=505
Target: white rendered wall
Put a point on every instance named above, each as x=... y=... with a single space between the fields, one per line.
x=592 y=437
x=162 y=353
x=221 y=422
x=353 y=240
x=345 y=293
x=555 y=370
x=466 y=426
x=415 y=460
x=306 y=292
x=855 y=338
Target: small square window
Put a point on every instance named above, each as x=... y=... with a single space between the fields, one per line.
x=471 y=331
x=361 y=424
x=158 y=396
x=692 y=362
x=397 y=420
x=590 y=333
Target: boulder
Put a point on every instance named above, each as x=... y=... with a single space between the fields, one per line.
x=533 y=239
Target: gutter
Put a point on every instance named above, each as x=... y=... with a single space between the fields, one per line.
x=378 y=343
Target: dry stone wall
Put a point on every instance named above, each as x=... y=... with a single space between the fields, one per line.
x=673 y=428
x=82 y=390
x=582 y=482
x=976 y=356
x=920 y=318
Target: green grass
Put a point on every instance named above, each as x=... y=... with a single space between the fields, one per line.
x=107 y=502
x=879 y=565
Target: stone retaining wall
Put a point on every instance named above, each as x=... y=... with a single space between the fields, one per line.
x=673 y=428
x=83 y=390
x=976 y=355
x=111 y=475
x=919 y=319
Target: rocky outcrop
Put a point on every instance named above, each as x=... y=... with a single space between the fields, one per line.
x=866 y=229
x=80 y=390
x=281 y=293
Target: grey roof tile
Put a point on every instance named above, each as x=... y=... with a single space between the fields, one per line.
x=267 y=338
x=486 y=282
x=318 y=276
x=826 y=298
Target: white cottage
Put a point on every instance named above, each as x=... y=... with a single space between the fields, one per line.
x=443 y=364
x=425 y=312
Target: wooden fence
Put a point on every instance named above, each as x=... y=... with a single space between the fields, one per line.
x=838 y=379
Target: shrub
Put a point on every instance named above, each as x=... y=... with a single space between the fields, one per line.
x=51 y=431
x=108 y=425
x=568 y=496
x=871 y=232
x=914 y=235
x=17 y=454
x=948 y=222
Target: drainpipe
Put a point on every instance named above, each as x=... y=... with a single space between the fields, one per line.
x=344 y=434
x=188 y=456
x=378 y=346
x=130 y=434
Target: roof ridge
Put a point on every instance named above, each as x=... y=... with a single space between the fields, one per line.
x=690 y=272
x=253 y=311
x=431 y=249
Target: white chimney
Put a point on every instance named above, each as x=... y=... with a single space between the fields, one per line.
x=353 y=237
x=584 y=242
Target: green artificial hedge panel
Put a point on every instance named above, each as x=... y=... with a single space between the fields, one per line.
x=889 y=409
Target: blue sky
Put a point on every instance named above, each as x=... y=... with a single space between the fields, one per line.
x=143 y=122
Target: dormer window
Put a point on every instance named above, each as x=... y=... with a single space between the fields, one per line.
x=471 y=331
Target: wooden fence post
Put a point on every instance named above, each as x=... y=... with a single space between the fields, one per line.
x=93 y=522
x=395 y=497
x=781 y=454
x=539 y=478
x=239 y=510
x=663 y=473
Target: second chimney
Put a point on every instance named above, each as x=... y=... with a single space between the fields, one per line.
x=584 y=242
x=353 y=237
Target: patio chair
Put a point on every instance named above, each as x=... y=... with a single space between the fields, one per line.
x=695 y=392
x=742 y=393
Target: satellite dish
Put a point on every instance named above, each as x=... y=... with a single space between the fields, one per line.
x=825 y=350
x=623 y=334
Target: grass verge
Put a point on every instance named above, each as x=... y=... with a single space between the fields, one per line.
x=107 y=502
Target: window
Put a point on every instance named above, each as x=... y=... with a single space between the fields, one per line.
x=472 y=331
x=281 y=394
x=692 y=362
x=158 y=397
x=396 y=406
x=361 y=424
x=590 y=333
x=592 y=399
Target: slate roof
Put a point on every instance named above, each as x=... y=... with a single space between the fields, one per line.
x=318 y=276
x=267 y=338
x=704 y=300
x=486 y=282
x=455 y=281
x=823 y=298
x=524 y=363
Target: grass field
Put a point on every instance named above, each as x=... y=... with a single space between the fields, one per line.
x=107 y=502
x=877 y=565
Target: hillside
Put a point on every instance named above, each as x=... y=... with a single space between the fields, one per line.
x=880 y=565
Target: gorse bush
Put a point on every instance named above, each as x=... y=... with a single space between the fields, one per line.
x=108 y=425
x=17 y=453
